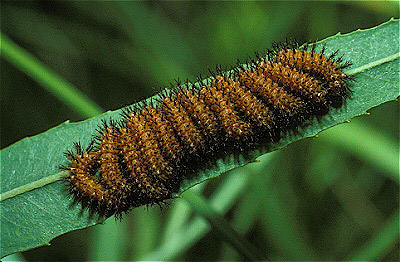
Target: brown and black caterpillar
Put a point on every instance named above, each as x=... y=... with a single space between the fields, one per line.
x=143 y=159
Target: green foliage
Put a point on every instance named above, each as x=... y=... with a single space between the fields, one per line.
x=46 y=209
x=34 y=218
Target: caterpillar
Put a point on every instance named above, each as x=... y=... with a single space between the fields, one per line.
x=143 y=159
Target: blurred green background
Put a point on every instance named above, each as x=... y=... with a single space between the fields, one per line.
x=318 y=199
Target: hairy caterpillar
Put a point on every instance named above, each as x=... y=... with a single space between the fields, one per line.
x=143 y=159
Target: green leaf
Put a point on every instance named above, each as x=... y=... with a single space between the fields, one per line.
x=33 y=218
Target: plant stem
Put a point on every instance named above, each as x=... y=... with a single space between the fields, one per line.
x=222 y=227
x=30 y=186
x=51 y=81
